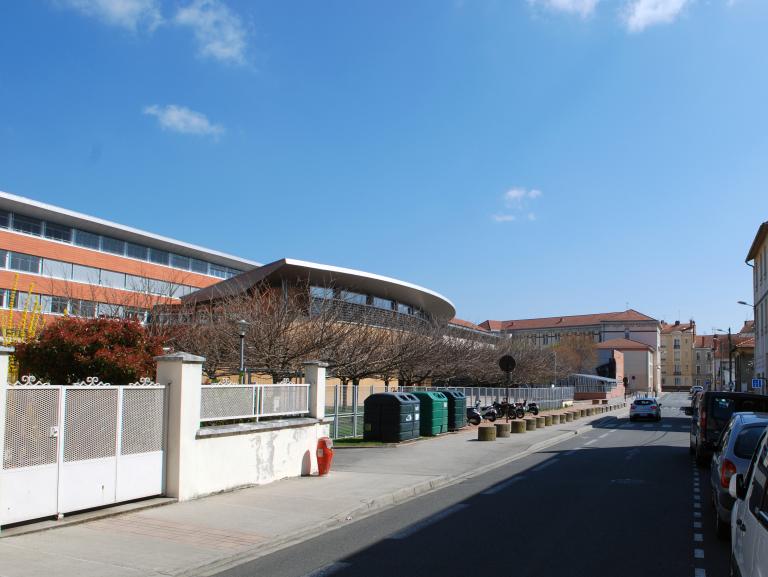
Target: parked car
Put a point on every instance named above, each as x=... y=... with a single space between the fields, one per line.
x=749 y=517
x=645 y=408
x=733 y=453
x=696 y=389
x=710 y=413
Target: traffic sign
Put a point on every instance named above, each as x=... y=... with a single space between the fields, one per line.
x=707 y=383
x=507 y=363
x=757 y=383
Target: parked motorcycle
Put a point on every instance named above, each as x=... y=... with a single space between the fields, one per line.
x=473 y=416
x=505 y=409
x=488 y=412
x=527 y=407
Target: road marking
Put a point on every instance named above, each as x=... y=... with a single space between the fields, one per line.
x=647 y=425
x=698 y=553
x=698 y=537
x=571 y=452
x=501 y=486
x=590 y=442
x=697 y=514
x=696 y=506
x=699 y=572
x=328 y=570
x=697 y=524
x=696 y=489
x=666 y=426
x=545 y=464
x=416 y=527
x=604 y=435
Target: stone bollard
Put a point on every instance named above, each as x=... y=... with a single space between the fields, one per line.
x=555 y=419
x=547 y=420
x=568 y=416
x=486 y=433
x=518 y=426
x=503 y=430
x=530 y=424
x=540 y=422
x=582 y=413
x=591 y=411
x=575 y=414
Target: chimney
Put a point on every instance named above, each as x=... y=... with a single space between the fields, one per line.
x=677 y=323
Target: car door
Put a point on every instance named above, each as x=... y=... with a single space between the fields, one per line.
x=717 y=457
x=754 y=518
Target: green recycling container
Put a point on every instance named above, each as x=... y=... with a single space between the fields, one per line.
x=434 y=413
x=391 y=417
x=457 y=409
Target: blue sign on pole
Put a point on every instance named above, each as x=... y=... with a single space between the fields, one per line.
x=707 y=383
x=757 y=383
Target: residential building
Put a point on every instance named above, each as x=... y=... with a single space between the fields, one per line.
x=57 y=262
x=704 y=364
x=758 y=256
x=677 y=354
x=601 y=327
x=638 y=362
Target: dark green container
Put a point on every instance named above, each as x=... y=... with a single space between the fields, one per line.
x=434 y=413
x=457 y=409
x=391 y=417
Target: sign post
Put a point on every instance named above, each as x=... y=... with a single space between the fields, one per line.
x=507 y=364
x=757 y=383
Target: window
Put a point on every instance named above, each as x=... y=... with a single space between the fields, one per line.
x=199 y=266
x=757 y=501
x=5 y=218
x=135 y=283
x=319 y=292
x=107 y=310
x=382 y=303
x=159 y=256
x=24 y=263
x=58 y=232
x=112 y=279
x=27 y=224
x=353 y=297
x=59 y=305
x=746 y=442
x=178 y=261
x=57 y=269
x=2 y=298
x=82 y=308
x=406 y=309
x=85 y=274
x=2 y=258
x=112 y=245
x=86 y=239
x=219 y=271
x=135 y=251
x=677 y=381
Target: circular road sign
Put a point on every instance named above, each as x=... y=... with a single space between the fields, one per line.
x=507 y=363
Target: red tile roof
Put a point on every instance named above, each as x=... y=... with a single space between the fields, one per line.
x=624 y=345
x=467 y=324
x=749 y=327
x=667 y=328
x=567 y=321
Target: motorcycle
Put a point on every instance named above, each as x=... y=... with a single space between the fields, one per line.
x=505 y=409
x=488 y=412
x=473 y=416
x=527 y=407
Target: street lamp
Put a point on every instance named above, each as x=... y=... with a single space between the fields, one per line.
x=730 y=358
x=242 y=326
x=745 y=303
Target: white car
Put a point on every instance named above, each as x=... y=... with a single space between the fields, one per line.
x=749 y=517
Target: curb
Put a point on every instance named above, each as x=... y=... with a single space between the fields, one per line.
x=380 y=503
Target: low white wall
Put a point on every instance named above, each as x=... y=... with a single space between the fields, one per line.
x=221 y=463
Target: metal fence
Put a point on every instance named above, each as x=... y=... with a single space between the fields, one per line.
x=345 y=403
x=226 y=401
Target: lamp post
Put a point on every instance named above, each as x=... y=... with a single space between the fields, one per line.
x=242 y=326
x=730 y=358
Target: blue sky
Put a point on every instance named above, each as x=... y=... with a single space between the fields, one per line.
x=524 y=158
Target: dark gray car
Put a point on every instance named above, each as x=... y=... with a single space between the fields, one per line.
x=732 y=455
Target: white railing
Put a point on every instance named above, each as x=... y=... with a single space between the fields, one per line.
x=226 y=401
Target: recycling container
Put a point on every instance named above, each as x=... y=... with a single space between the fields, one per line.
x=434 y=413
x=457 y=409
x=391 y=417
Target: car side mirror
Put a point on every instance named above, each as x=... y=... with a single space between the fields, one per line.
x=659 y=404
x=736 y=488
x=687 y=410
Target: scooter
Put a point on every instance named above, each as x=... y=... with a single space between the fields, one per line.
x=473 y=416
x=489 y=412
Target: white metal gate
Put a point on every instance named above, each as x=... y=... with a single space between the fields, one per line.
x=74 y=447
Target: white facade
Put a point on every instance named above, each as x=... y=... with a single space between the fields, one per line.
x=758 y=254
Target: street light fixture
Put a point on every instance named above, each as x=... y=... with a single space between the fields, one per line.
x=242 y=326
x=745 y=303
x=730 y=358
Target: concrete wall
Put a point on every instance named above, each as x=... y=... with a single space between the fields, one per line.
x=639 y=364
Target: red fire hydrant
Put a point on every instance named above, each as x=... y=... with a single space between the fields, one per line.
x=324 y=455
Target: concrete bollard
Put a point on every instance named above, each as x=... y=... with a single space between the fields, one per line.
x=547 y=420
x=530 y=424
x=582 y=413
x=591 y=411
x=555 y=419
x=518 y=426
x=568 y=416
x=576 y=414
x=503 y=430
x=540 y=422
x=486 y=433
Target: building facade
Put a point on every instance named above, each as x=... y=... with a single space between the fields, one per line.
x=704 y=364
x=758 y=256
x=677 y=354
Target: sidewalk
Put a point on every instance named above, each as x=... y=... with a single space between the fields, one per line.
x=208 y=535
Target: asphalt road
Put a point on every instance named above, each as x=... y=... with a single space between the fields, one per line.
x=619 y=500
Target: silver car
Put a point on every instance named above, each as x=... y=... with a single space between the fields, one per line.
x=645 y=408
x=733 y=453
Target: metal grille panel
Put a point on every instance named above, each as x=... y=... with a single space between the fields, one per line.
x=30 y=418
x=220 y=401
x=90 y=423
x=284 y=399
x=142 y=421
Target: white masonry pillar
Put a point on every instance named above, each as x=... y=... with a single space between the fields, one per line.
x=314 y=373
x=5 y=353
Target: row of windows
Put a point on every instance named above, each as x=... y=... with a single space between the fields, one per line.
x=68 y=271
x=53 y=305
x=365 y=299
x=38 y=227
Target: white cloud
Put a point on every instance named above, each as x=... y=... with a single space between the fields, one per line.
x=531 y=216
x=515 y=197
x=219 y=31
x=130 y=14
x=517 y=200
x=640 y=14
x=504 y=217
x=182 y=119
x=583 y=8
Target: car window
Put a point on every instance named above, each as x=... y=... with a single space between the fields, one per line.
x=746 y=442
x=643 y=402
x=722 y=408
x=759 y=480
x=725 y=435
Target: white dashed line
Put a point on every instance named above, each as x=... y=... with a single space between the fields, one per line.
x=666 y=426
x=696 y=506
x=501 y=486
x=698 y=553
x=545 y=464
x=604 y=435
x=698 y=537
x=697 y=524
x=696 y=490
x=699 y=572
x=590 y=442
x=697 y=514
x=416 y=527
x=328 y=570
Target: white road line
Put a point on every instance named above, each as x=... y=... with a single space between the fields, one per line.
x=545 y=464
x=699 y=572
x=416 y=527
x=697 y=524
x=698 y=537
x=696 y=489
x=501 y=486
x=696 y=506
x=697 y=514
x=604 y=435
x=328 y=570
x=666 y=426
x=590 y=442
x=698 y=553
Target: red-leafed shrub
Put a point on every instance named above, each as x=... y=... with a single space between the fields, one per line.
x=71 y=349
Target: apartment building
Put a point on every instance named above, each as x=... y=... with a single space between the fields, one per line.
x=758 y=256
x=55 y=261
x=704 y=364
x=677 y=354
